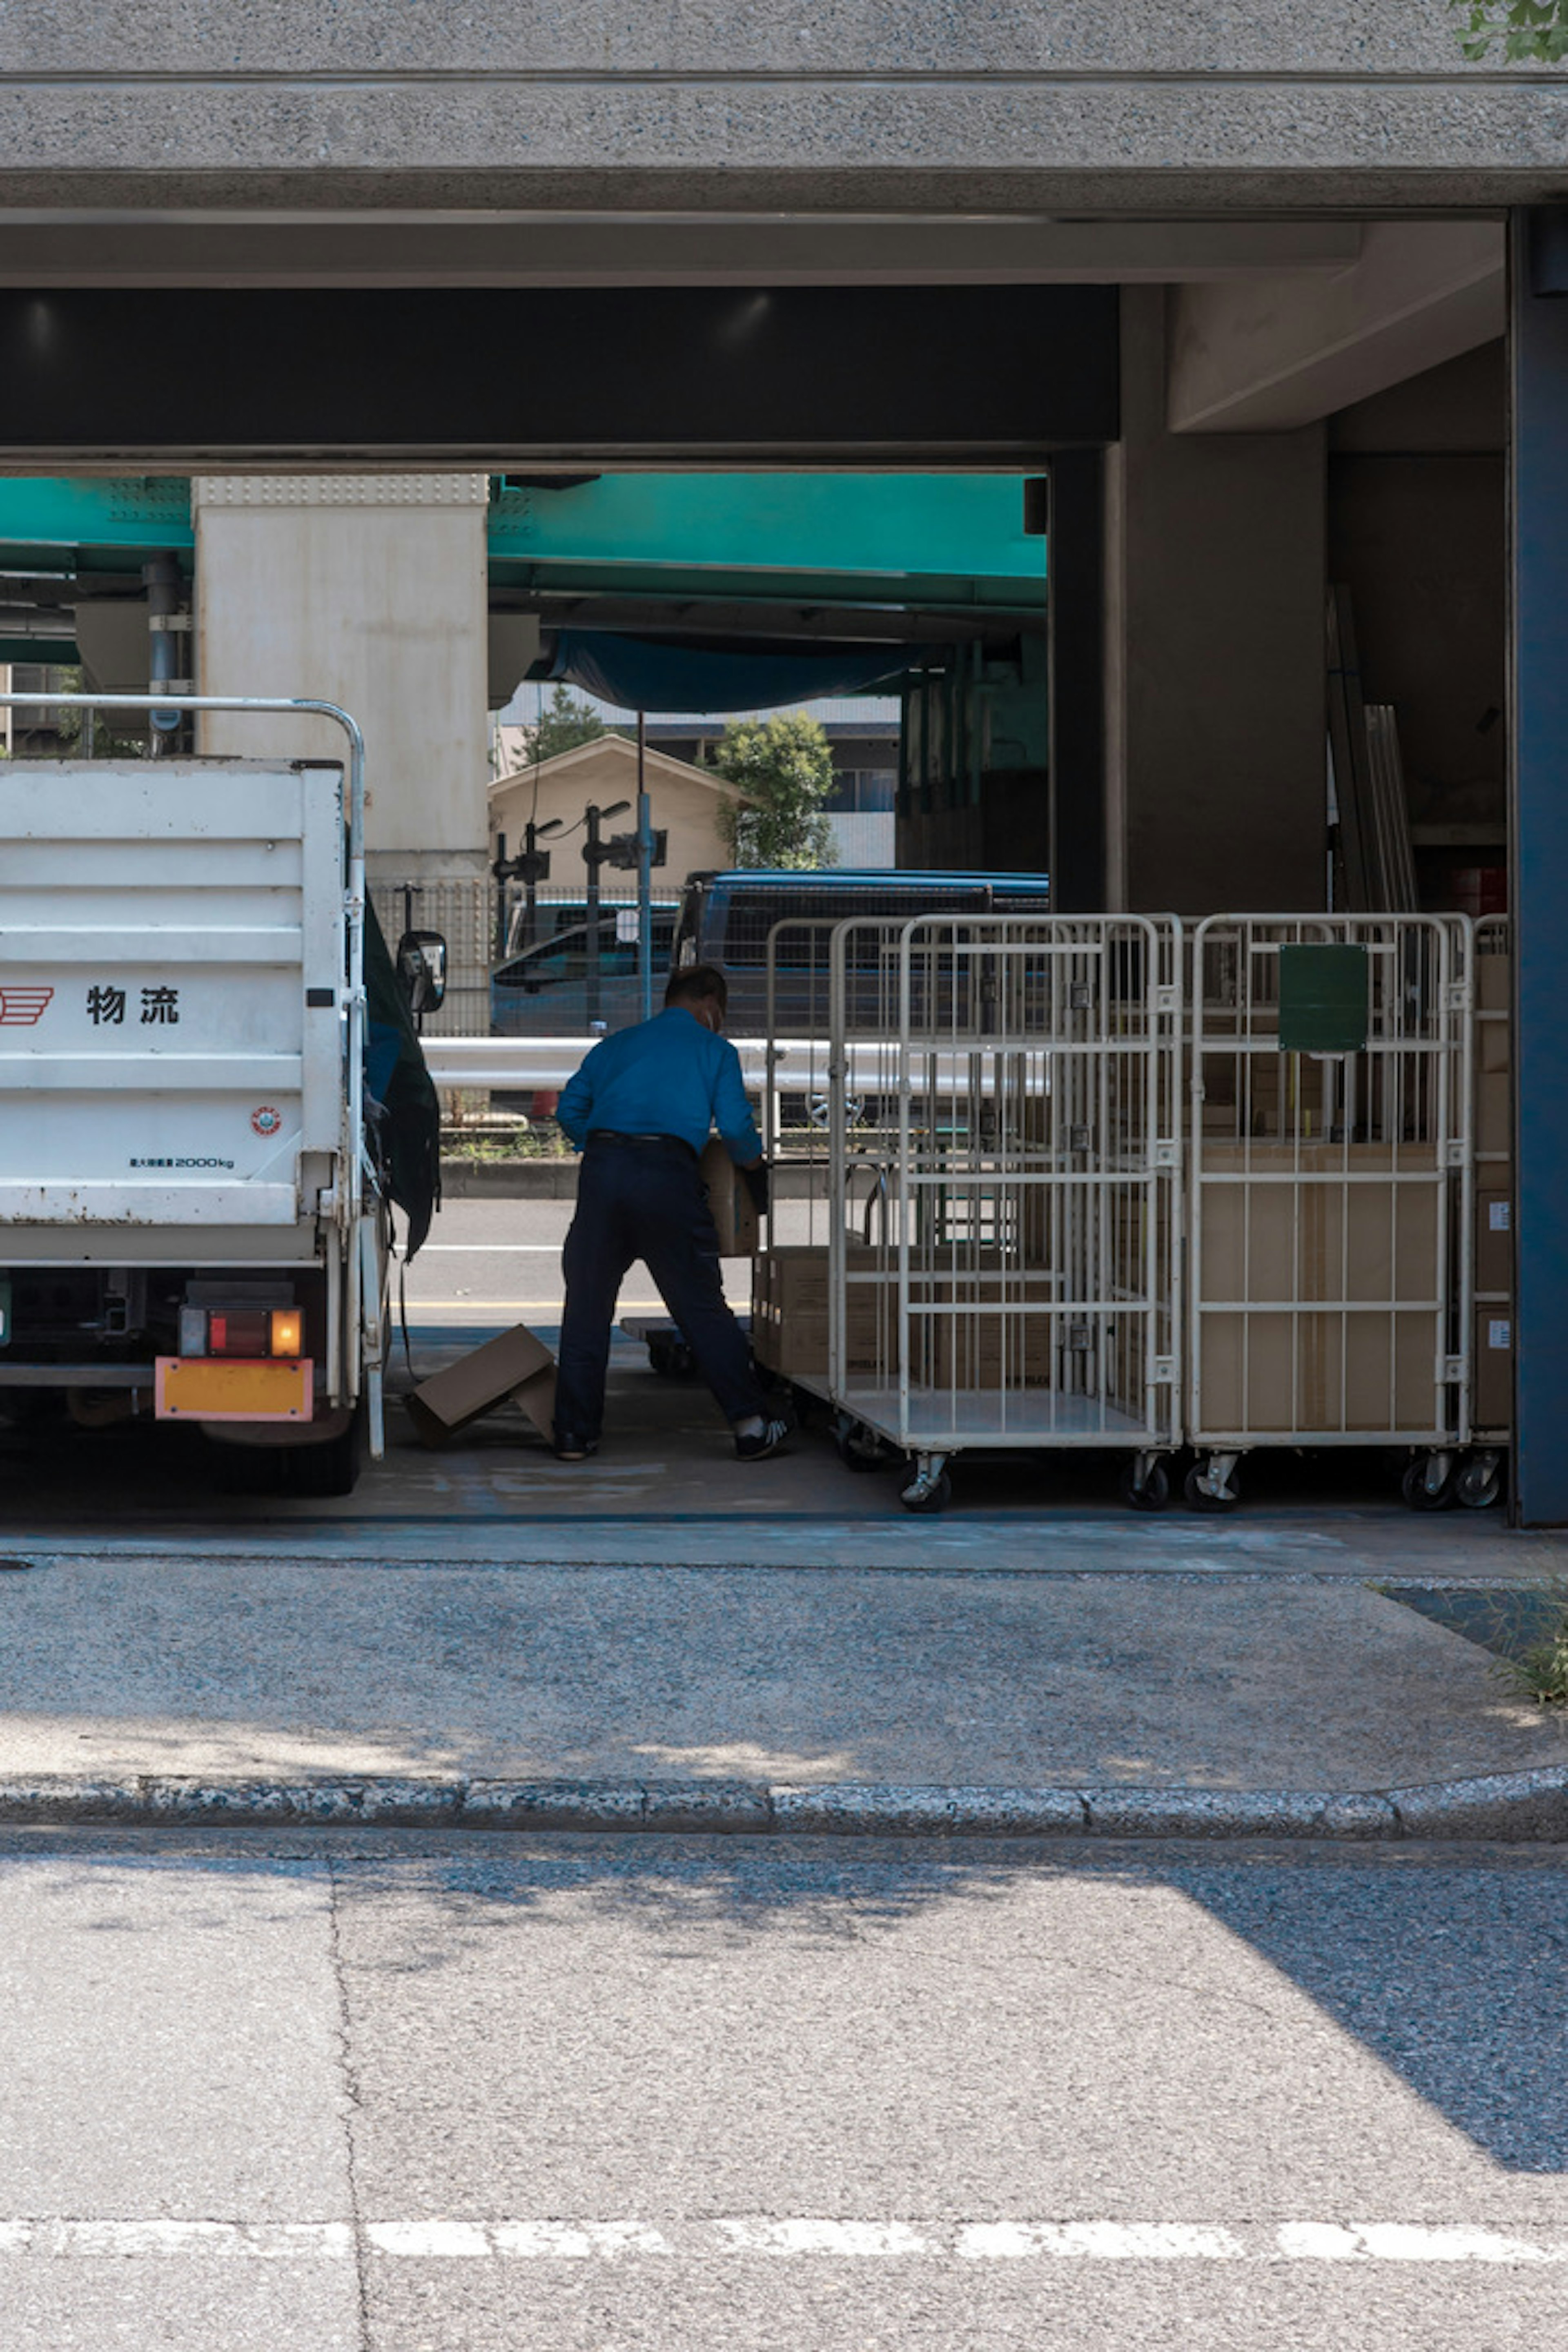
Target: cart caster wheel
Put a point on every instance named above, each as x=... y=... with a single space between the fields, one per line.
x=928 y=1498
x=1418 y=1495
x=1152 y=1493
x=671 y=1359
x=858 y=1450
x=1199 y=1497
x=1479 y=1483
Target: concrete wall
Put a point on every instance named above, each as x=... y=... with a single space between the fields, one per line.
x=369 y=591
x=689 y=106
x=1418 y=530
x=1214 y=656
x=1421 y=542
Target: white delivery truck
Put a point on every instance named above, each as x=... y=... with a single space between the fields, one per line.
x=192 y=1227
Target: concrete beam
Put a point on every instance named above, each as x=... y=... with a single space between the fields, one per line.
x=533 y=249
x=1271 y=354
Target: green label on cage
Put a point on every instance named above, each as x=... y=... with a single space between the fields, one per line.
x=1323 y=999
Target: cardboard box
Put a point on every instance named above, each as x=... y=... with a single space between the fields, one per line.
x=740 y=1231
x=790 y=1311
x=516 y=1365
x=1494 y=1045
x=1319 y=1245
x=1494 y=1242
x=1262 y=1093
x=1275 y=1375
x=1494 y=1112
x=1491 y=1368
x=1494 y=983
x=1280 y=1241
x=978 y=1348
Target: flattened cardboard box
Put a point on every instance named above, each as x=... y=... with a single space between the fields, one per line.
x=516 y=1365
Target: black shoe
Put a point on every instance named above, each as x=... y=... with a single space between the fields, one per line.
x=567 y=1446
x=766 y=1439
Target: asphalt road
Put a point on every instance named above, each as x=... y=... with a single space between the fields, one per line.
x=427 y=2095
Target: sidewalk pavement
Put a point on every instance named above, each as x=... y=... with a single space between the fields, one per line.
x=182 y=1686
x=487 y=1638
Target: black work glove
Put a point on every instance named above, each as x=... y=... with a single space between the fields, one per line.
x=757 y=1184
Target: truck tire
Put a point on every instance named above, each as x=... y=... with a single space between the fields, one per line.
x=321 y=1471
x=313 y=1472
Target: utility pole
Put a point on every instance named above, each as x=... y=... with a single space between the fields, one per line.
x=594 y=851
x=534 y=867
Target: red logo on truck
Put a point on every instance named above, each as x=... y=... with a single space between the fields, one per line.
x=22 y=1008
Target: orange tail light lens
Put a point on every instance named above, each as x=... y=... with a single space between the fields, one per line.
x=287 y=1331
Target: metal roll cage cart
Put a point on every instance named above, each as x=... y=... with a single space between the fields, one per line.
x=1011 y=1087
x=1330 y=1155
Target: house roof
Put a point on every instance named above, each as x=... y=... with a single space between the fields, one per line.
x=564 y=764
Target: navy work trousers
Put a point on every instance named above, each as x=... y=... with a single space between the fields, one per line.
x=645 y=1198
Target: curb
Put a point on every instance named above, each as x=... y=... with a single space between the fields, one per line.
x=1515 y=1807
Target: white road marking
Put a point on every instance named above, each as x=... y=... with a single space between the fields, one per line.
x=575 y=2241
x=808 y=2237
x=821 y=2237
x=1099 y=2241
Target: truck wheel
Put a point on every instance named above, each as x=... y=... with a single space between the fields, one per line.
x=320 y=1471
x=312 y=1472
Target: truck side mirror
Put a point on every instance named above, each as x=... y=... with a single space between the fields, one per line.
x=422 y=971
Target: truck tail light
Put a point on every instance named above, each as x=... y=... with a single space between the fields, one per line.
x=238 y=1331
x=252 y=1332
x=287 y=1331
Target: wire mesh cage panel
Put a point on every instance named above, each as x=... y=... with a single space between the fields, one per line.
x=998 y=1185
x=1491 y=1401
x=461 y=907
x=1330 y=1180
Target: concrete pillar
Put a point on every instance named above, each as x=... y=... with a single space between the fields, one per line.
x=1539 y=879
x=1214 y=755
x=370 y=590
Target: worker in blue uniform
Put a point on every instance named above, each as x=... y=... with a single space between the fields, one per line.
x=641 y=1108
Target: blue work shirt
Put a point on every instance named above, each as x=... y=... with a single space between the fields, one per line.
x=669 y=1076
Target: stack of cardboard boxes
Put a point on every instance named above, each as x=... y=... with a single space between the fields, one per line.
x=964 y=1340
x=1326 y=1232
x=789 y=1299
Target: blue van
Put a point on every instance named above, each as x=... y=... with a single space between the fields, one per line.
x=544 y=992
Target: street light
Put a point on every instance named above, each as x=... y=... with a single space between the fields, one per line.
x=594 y=851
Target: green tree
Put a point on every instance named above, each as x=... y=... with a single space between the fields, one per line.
x=1524 y=29
x=783 y=765
x=563 y=725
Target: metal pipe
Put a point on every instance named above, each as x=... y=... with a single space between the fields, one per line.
x=591 y=857
x=163 y=578
x=644 y=874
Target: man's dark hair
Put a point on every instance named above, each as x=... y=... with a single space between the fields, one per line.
x=698 y=983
